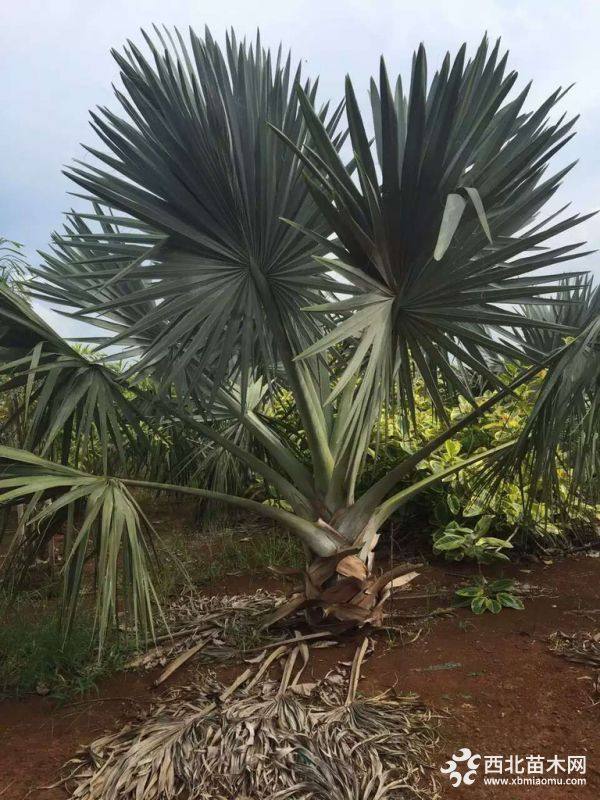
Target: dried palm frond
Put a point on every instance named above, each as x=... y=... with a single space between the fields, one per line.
x=259 y=732
x=149 y=760
x=397 y=727
x=327 y=775
x=265 y=738
x=223 y=746
x=582 y=647
x=211 y=627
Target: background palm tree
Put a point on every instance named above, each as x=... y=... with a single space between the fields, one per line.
x=13 y=264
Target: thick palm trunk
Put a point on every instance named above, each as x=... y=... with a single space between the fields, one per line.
x=342 y=589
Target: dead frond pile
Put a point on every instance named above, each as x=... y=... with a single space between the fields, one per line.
x=266 y=737
x=582 y=647
x=215 y=628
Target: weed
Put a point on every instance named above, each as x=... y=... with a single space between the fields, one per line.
x=259 y=552
x=186 y=558
x=489 y=596
x=34 y=657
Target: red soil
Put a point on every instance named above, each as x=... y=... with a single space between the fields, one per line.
x=509 y=695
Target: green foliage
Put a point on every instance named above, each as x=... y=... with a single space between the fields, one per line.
x=460 y=506
x=489 y=596
x=456 y=542
x=248 y=548
x=64 y=403
x=34 y=657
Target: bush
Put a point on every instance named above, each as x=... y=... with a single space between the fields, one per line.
x=513 y=514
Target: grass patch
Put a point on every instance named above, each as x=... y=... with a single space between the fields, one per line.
x=186 y=558
x=35 y=659
x=257 y=552
x=33 y=655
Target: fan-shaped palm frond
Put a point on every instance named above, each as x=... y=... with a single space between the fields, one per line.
x=199 y=255
x=13 y=264
x=436 y=233
x=74 y=271
x=110 y=517
x=558 y=452
x=68 y=403
x=575 y=314
x=21 y=329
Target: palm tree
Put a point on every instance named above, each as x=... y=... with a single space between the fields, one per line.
x=228 y=244
x=558 y=448
x=13 y=264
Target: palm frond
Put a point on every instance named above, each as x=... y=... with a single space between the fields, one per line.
x=21 y=329
x=192 y=258
x=557 y=454
x=69 y=404
x=101 y=515
x=13 y=263
x=438 y=232
x=583 y=304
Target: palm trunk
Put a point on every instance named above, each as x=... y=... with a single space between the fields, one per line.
x=342 y=590
x=339 y=583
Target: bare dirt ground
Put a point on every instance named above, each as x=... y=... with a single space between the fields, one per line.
x=499 y=689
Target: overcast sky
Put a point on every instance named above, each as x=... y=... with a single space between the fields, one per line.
x=56 y=65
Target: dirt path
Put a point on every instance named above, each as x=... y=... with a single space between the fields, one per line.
x=493 y=677
x=511 y=696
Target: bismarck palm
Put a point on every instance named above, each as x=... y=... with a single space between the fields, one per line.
x=237 y=245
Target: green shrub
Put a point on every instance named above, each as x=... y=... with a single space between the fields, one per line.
x=456 y=542
x=455 y=507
